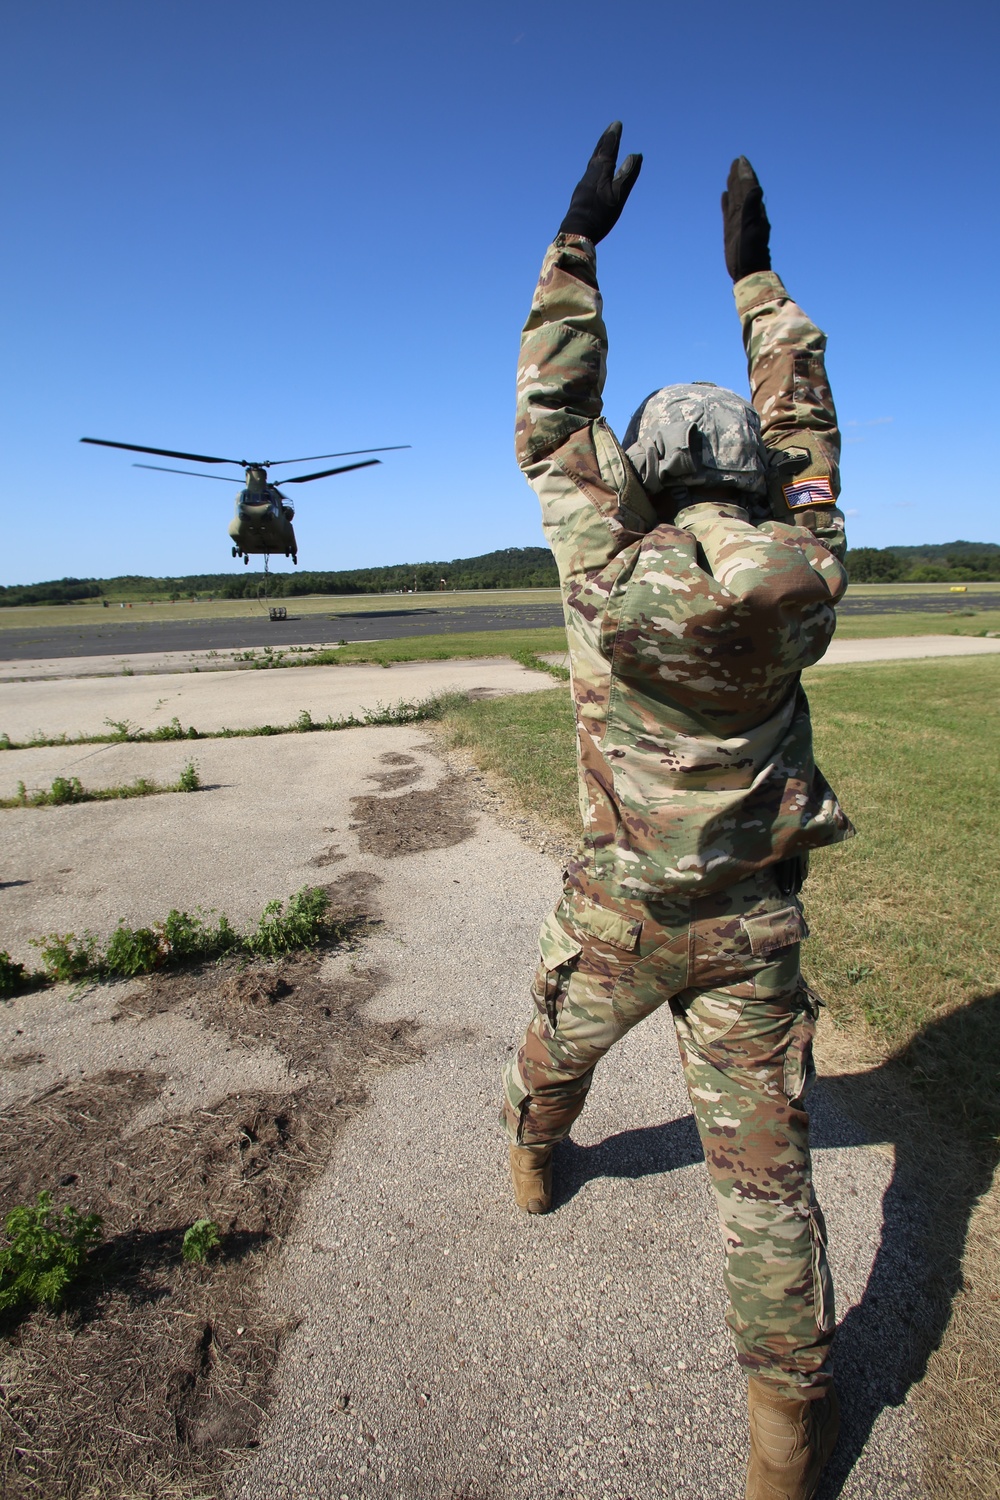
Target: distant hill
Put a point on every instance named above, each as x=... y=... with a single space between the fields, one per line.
x=510 y=568
x=934 y=562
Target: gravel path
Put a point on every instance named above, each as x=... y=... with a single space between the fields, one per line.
x=453 y=1349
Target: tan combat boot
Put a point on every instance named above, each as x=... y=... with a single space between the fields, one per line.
x=790 y=1442
x=531 y=1174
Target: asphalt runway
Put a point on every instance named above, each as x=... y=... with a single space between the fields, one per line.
x=114 y=639
x=924 y=604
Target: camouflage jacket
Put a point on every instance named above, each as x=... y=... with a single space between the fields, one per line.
x=686 y=640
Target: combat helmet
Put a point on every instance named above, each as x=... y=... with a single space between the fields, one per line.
x=699 y=437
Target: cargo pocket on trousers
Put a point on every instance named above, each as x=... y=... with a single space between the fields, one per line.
x=823 y=1303
x=799 y=1068
x=559 y=956
x=772 y=931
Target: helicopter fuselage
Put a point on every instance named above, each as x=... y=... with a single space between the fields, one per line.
x=263 y=519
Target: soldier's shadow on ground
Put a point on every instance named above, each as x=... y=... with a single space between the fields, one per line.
x=632 y=1153
x=885 y=1341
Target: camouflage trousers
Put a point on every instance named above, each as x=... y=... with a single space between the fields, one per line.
x=728 y=967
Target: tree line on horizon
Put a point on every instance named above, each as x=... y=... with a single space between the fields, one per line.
x=508 y=568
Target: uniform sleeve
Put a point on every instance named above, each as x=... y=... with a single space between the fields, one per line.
x=792 y=395
x=593 y=505
x=773 y=568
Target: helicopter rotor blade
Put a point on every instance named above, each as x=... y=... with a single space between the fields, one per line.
x=325 y=473
x=162 y=469
x=195 y=458
x=276 y=463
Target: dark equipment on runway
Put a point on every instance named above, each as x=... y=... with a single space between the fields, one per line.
x=263 y=519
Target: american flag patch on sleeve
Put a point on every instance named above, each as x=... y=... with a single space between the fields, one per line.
x=804 y=492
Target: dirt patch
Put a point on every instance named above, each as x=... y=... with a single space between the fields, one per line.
x=155 y=1380
x=331 y=856
x=406 y=772
x=492 y=795
x=435 y=819
x=391 y=781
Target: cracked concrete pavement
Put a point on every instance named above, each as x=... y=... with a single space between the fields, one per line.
x=240 y=700
x=448 y=1348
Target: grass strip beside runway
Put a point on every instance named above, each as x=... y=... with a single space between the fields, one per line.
x=474 y=643
x=863 y=626
x=906 y=917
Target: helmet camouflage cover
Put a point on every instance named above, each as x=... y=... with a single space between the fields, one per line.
x=698 y=436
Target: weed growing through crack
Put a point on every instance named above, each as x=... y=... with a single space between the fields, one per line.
x=124 y=732
x=283 y=927
x=189 y=780
x=189 y=940
x=132 y=951
x=69 y=789
x=46 y=1255
x=66 y=957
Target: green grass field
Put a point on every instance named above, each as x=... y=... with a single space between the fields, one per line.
x=951 y=621
x=553 y=638
x=905 y=917
x=439 y=647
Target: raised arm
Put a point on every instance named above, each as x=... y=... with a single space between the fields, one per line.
x=591 y=501
x=788 y=379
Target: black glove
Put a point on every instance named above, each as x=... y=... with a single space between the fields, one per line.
x=744 y=222
x=600 y=194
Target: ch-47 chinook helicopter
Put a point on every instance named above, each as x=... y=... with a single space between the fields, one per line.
x=263 y=519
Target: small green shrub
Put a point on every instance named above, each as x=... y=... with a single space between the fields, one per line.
x=131 y=951
x=47 y=1252
x=122 y=729
x=188 y=939
x=66 y=957
x=200 y=1240
x=172 y=731
x=65 y=789
x=300 y=924
x=189 y=780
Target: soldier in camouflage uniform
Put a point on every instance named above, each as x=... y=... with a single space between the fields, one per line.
x=700 y=563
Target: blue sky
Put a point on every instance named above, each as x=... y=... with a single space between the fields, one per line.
x=269 y=230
